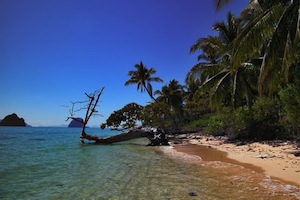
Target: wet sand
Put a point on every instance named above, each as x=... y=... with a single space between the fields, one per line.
x=212 y=154
x=275 y=161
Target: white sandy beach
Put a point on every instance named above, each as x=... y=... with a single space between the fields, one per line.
x=276 y=160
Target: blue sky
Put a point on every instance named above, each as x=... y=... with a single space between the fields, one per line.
x=52 y=52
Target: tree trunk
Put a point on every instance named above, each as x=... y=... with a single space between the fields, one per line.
x=83 y=134
x=157 y=137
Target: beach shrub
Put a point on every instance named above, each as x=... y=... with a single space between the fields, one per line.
x=266 y=110
x=261 y=122
x=290 y=98
x=213 y=123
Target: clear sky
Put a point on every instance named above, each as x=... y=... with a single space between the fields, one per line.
x=53 y=51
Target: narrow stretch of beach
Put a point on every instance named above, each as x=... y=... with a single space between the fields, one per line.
x=277 y=159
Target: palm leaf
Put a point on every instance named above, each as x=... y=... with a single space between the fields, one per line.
x=149 y=89
x=253 y=36
x=212 y=83
x=220 y=90
x=220 y=3
x=272 y=68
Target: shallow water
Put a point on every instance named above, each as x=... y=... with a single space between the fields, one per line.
x=49 y=163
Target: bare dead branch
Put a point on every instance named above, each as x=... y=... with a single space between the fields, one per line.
x=92 y=106
x=90 y=96
x=91 y=110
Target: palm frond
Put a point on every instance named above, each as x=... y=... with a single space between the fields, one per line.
x=155 y=79
x=213 y=41
x=220 y=90
x=202 y=71
x=272 y=68
x=252 y=37
x=149 y=89
x=212 y=82
x=220 y=3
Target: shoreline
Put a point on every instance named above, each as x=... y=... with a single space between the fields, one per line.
x=276 y=161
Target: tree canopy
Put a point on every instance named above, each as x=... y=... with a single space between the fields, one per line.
x=245 y=78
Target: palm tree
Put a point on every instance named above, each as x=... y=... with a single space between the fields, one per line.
x=212 y=49
x=142 y=76
x=195 y=102
x=273 y=35
x=171 y=95
x=191 y=88
x=217 y=76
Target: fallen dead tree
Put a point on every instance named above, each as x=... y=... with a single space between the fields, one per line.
x=155 y=135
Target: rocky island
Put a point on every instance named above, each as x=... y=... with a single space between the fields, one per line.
x=76 y=123
x=12 y=120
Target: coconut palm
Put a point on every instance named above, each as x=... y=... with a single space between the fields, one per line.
x=280 y=53
x=225 y=84
x=191 y=87
x=211 y=48
x=273 y=34
x=171 y=96
x=142 y=76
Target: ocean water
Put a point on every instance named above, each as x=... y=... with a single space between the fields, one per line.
x=50 y=163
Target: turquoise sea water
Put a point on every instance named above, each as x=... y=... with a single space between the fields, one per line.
x=50 y=163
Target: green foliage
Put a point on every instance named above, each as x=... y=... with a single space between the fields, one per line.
x=259 y=123
x=253 y=56
x=230 y=121
x=212 y=123
x=267 y=110
x=290 y=97
x=154 y=115
x=126 y=117
x=262 y=122
x=258 y=54
x=192 y=111
x=202 y=122
x=170 y=97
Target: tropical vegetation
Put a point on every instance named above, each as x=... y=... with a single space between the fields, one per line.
x=246 y=82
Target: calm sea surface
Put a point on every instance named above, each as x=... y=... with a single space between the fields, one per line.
x=50 y=163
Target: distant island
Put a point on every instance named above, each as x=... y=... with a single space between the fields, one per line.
x=78 y=123
x=13 y=120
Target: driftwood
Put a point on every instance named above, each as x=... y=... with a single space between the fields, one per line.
x=157 y=137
